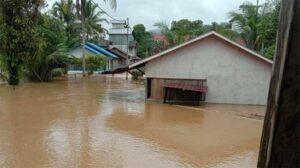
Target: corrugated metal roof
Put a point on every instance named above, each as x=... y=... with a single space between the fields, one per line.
x=92 y=50
x=184 y=86
x=100 y=50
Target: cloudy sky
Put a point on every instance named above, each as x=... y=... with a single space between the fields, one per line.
x=148 y=12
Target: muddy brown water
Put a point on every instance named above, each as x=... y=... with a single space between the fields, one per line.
x=105 y=122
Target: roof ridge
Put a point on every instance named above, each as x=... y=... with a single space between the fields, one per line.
x=198 y=39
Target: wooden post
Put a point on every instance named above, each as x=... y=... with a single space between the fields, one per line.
x=165 y=95
x=280 y=144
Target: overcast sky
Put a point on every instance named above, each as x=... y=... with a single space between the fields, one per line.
x=149 y=12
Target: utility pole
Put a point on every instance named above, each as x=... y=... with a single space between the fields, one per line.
x=83 y=36
x=127 y=46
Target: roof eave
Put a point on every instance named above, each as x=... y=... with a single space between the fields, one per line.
x=195 y=40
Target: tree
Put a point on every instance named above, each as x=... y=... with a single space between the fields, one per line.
x=222 y=28
x=247 y=22
x=19 y=42
x=257 y=26
x=144 y=40
x=81 y=3
x=93 y=20
x=65 y=11
x=80 y=8
x=181 y=30
x=95 y=62
x=185 y=29
x=52 y=59
x=268 y=27
x=164 y=28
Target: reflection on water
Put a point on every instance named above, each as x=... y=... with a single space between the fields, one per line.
x=105 y=122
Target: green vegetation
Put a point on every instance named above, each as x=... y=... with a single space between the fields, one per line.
x=144 y=40
x=19 y=40
x=255 y=25
x=51 y=59
x=186 y=29
x=93 y=20
x=93 y=62
x=35 y=44
x=65 y=11
x=164 y=28
x=136 y=75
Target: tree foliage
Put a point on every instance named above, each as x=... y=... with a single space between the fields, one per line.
x=19 y=41
x=37 y=44
x=185 y=29
x=247 y=22
x=165 y=30
x=93 y=62
x=65 y=11
x=51 y=59
x=94 y=20
x=144 y=40
x=254 y=25
x=257 y=25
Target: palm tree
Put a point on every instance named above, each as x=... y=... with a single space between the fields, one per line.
x=113 y=4
x=93 y=20
x=65 y=11
x=81 y=13
x=247 y=22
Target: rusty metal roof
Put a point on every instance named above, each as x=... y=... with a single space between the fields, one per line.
x=184 y=86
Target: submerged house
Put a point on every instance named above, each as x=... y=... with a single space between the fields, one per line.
x=209 y=68
x=94 y=49
x=124 y=58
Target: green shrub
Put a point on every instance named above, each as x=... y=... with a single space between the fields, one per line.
x=94 y=62
x=136 y=75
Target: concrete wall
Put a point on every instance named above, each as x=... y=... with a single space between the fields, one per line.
x=120 y=39
x=77 y=52
x=233 y=76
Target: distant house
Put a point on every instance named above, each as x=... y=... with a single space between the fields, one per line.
x=209 y=68
x=159 y=37
x=118 y=35
x=122 y=61
x=94 y=49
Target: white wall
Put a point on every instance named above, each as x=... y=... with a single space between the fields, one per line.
x=233 y=76
x=77 y=52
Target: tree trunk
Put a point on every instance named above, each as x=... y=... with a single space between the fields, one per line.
x=13 y=78
x=280 y=144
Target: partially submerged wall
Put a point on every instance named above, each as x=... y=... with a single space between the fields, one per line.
x=233 y=76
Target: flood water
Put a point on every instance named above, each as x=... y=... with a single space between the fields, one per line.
x=105 y=122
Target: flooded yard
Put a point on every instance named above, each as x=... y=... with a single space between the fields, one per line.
x=105 y=122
